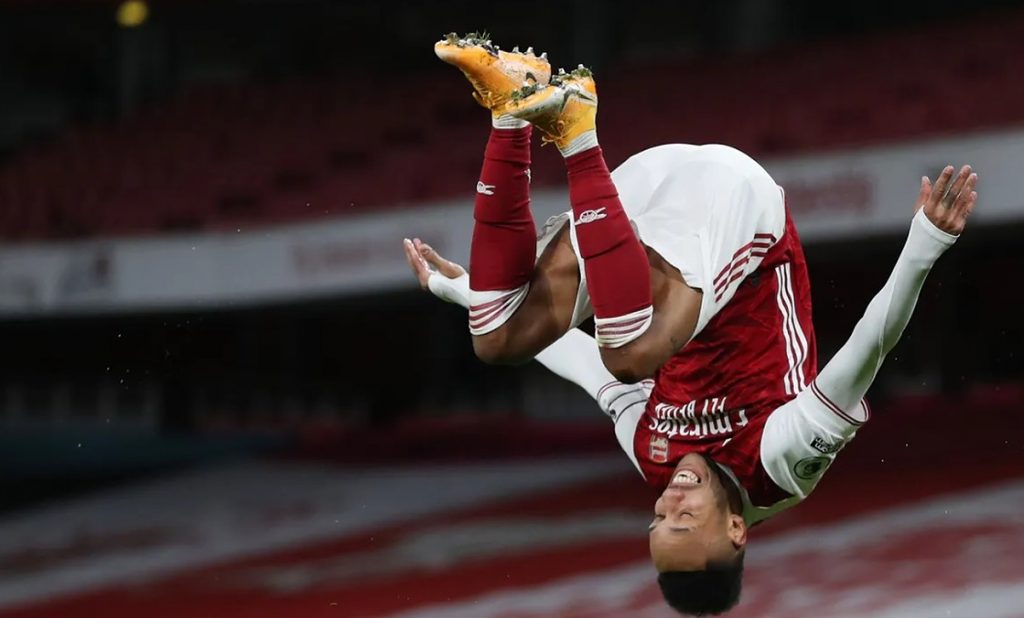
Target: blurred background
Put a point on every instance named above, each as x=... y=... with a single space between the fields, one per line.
x=222 y=393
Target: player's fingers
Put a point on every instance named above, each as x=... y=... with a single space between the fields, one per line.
x=966 y=190
x=444 y=266
x=418 y=245
x=423 y=250
x=415 y=263
x=959 y=207
x=432 y=257
x=419 y=267
x=971 y=202
x=941 y=185
x=430 y=254
x=958 y=185
x=410 y=254
x=968 y=197
x=922 y=196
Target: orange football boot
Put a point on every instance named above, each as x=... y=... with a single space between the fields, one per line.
x=495 y=74
x=562 y=110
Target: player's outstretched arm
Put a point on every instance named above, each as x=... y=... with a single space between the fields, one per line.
x=941 y=214
x=802 y=437
x=574 y=357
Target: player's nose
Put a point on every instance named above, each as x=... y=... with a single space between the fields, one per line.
x=671 y=500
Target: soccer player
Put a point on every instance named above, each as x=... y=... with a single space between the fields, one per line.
x=704 y=352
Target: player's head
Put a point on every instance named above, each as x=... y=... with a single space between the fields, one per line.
x=698 y=538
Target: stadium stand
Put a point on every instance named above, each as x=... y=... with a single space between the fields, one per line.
x=219 y=157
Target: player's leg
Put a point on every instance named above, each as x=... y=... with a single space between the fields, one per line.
x=714 y=217
x=546 y=312
x=514 y=311
x=502 y=253
x=616 y=264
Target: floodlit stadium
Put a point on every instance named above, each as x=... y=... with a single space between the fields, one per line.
x=231 y=387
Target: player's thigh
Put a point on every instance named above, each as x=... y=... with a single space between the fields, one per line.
x=546 y=312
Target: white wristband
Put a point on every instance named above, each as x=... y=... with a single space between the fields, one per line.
x=450 y=290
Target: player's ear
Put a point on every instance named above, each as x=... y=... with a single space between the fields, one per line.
x=737 y=531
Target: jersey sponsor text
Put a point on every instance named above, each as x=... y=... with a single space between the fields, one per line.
x=696 y=419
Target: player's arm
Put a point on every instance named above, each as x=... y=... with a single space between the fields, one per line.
x=941 y=214
x=802 y=437
x=574 y=357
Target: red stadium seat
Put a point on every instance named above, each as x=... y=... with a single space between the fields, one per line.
x=233 y=154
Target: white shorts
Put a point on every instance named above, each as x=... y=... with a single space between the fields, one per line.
x=710 y=211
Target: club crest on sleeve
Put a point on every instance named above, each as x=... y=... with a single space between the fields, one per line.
x=659 y=449
x=810 y=467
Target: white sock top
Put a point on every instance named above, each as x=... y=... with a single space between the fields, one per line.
x=583 y=141
x=507 y=121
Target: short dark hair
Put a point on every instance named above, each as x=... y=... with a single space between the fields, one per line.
x=712 y=591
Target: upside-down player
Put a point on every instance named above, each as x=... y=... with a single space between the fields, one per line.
x=689 y=263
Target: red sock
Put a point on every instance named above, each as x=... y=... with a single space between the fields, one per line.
x=618 y=273
x=503 y=252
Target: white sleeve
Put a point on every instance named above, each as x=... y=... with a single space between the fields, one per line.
x=846 y=378
x=802 y=437
x=575 y=357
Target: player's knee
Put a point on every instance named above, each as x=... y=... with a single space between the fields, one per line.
x=628 y=375
x=629 y=364
x=488 y=349
x=495 y=349
x=624 y=371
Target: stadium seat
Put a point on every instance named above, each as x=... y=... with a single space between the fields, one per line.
x=254 y=154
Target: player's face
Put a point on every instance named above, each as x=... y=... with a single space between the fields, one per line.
x=692 y=525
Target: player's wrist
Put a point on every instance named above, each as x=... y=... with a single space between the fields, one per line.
x=450 y=290
x=922 y=221
x=926 y=242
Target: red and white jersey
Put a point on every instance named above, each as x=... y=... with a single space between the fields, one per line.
x=745 y=391
x=742 y=394
x=714 y=396
x=731 y=393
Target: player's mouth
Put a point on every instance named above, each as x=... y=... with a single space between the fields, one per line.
x=686 y=478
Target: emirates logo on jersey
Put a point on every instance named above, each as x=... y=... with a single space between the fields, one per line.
x=696 y=419
x=659 y=449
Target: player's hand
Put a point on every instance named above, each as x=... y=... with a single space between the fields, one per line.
x=948 y=204
x=423 y=261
